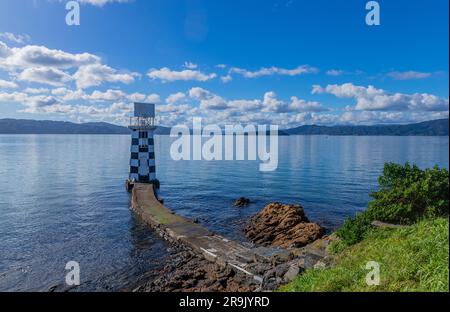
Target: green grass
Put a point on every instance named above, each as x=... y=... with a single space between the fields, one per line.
x=411 y=259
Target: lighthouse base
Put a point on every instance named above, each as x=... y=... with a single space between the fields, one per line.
x=129 y=184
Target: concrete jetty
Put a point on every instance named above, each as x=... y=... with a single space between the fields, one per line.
x=213 y=247
x=268 y=266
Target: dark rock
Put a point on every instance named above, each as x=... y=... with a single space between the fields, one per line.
x=291 y=273
x=281 y=257
x=190 y=273
x=270 y=283
x=281 y=270
x=129 y=185
x=382 y=225
x=241 y=202
x=310 y=260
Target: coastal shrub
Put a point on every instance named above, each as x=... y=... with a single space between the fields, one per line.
x=336 y=247
x=353 y=230
x=414 y=258
x=406 y=195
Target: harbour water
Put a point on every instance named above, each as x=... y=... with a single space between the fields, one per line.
x=62 y=198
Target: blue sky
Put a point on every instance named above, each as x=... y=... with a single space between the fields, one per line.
x=286 y=62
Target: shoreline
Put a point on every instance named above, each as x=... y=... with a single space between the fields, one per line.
x=205 y=261
x=180 y=231
x=186 y=271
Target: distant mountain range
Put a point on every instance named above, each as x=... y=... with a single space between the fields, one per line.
x=26 y=126
x=429 y=128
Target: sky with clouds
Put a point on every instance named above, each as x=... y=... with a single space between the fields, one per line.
x=285 y=62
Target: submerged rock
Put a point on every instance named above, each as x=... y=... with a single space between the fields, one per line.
x=283 y=225
x=241 y=202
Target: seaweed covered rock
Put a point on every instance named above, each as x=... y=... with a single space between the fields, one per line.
x=282 y=225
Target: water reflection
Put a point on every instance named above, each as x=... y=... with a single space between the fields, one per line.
x=62 y=198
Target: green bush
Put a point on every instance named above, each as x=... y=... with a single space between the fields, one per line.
x=355 y=229
x=414 y=258
x=406 y=195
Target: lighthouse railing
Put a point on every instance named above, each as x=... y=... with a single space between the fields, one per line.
x=142 y=122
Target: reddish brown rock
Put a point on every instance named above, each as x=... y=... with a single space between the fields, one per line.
x=283 y=225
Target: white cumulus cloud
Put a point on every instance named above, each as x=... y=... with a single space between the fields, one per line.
x=175 y=97
x=226 y=78
x=300 y=105
x=408 y=75
x=4 y=84
x=269 y=71
x=33 y=56
x=20 y=39
x=371 y=98
x=165 y=74
x=95 y=74
x=207 y=99
x=45 y=75
x=190 y=65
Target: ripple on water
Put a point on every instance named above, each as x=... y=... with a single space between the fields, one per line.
x=69 y=202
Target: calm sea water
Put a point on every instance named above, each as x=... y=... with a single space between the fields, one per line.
x=62 y=198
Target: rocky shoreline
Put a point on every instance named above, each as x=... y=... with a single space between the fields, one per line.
x=188 y=272
x=276 y=227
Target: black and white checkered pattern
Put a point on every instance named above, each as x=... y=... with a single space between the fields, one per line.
x=142 y=163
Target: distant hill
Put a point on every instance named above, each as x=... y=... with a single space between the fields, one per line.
x=26 y=126
x=428 y=128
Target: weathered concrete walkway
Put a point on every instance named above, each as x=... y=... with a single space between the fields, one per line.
x=211 y=246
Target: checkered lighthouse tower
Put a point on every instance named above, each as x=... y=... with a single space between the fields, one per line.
x=142 y=162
